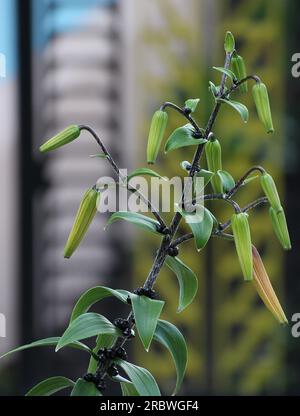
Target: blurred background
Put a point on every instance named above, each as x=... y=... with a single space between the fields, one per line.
x=110 y=64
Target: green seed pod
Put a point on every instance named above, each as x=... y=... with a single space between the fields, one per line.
x=229 y=43
x=85 y=214
x=280 y=227
x=270 y=190
x=66 y=136
x=156 y=133
x=213 y=154
x=242 y=239
x=261 y=100
x=239 y=68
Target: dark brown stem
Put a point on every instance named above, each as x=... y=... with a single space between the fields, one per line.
x=183 y=113
x=167 y=240
x=219 y=232
x=240 y=182
x=122 y=177
x=254 y=204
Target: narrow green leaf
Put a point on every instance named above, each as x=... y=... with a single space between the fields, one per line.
x=85 y=326
x=192 y=104
x=227 y=72
x=128 y=389
x=250 y=179
x=213 y=89
x=50 y=386
x=137 y=219
x=239 y=107
x=201 y=224
x=141 y=378
x=146 y=313
x=169 y=336
x=47 y=342
x=95 y=294
x=85 y=388
x=99 y=155
x=146 y=172
x=206 y=175
x=182 y=137
x=226 y=179
x=188 y=282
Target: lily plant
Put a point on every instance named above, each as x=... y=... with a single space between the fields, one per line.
x=108 y=358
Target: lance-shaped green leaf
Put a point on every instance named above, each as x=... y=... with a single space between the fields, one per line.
x=146 y=313
x=262 y=104
x=156 y=134
x=64 y=137
x=86 y=326
x=242 y=239
x=85 y=214
x=141 y=378
x=270 y=190
x=95 y=294
x=250 y=179
x=144 y=172
x=137 y=219
x=229 y=43
x=182 y=137
x=188 y=282
x=239 y=107
x=168 y=335
x=226 y=71
x=213 y=89
x=239 y=68
x=192 y=104
x=85 y=388
x=206 y=175
x=50 y=386
x=47 y=342
x=128 y=389
x=280 y=227
x=226 y=180
x=99 y=156
x=201 y=224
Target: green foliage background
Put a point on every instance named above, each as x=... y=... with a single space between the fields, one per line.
x=235 y=345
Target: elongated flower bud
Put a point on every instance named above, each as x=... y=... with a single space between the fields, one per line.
x=270 y=190
x=264 y=288
x=229 y=43
x=280 y=227
x=261 y=100
x=84 y=216
x=66 y=136
x=213 y=154
x=239 y=68
x=156 y=133
x=242 y=239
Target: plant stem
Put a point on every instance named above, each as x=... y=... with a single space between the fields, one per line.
x=163 y=250
x=167 y=239
x=122 y=177
x=219 y=232
x=240 y=182
x=254 y=204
